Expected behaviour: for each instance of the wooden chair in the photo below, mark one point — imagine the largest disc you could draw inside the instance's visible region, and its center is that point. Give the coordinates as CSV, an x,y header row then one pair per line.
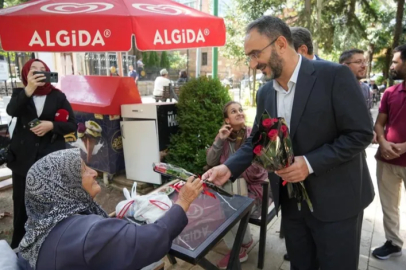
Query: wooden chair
x,y
263,222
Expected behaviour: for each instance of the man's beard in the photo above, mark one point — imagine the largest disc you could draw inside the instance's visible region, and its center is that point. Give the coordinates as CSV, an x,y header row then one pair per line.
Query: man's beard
x,y
361,77
275,64
398,74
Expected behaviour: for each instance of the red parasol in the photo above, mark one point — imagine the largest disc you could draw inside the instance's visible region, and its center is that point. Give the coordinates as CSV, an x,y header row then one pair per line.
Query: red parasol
x,y
107,25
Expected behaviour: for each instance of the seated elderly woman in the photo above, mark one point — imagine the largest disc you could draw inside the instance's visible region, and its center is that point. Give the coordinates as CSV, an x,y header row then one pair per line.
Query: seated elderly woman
x,y
66,229
231,136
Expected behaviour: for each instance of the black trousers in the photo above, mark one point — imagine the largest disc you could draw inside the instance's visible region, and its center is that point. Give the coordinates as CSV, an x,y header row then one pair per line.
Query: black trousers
x,y
313,244
20,214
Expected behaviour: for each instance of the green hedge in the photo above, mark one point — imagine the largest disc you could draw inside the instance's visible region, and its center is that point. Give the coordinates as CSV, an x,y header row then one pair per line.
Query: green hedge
x,y
199,117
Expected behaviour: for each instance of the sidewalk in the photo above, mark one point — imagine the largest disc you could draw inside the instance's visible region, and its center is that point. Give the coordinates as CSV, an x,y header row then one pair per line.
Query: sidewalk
x,y
372,236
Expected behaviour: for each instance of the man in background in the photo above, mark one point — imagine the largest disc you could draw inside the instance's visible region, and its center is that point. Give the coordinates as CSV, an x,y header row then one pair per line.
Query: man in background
x,y
390,129
160,83
355,60
302,40
132,73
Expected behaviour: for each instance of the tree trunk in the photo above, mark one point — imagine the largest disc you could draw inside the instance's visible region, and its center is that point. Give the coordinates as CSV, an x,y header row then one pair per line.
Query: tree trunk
x,y
398,25
254,75
1,4
388,58
315,40
308,11
396,35
370,52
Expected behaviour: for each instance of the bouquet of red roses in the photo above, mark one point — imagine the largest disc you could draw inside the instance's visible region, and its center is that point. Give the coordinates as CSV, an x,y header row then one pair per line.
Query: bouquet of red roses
x,y
273,151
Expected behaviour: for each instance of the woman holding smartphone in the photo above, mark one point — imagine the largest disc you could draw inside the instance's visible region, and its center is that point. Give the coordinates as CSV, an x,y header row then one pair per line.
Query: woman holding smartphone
x,y
36,134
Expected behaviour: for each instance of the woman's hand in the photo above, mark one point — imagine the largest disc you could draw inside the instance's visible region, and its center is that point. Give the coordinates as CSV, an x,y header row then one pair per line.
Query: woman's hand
x,y
33,81
189,192
225,131
43,128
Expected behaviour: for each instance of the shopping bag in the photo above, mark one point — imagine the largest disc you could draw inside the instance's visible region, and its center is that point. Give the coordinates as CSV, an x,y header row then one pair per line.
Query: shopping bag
x,y
143,208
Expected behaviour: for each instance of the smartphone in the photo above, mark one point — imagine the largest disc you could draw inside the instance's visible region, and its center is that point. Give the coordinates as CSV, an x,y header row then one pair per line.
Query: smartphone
x,y
50,77
34,123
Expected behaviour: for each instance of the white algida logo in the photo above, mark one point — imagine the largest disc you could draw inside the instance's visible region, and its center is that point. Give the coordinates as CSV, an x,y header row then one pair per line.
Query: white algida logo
x,y
162,9
179,36
64,38
74,8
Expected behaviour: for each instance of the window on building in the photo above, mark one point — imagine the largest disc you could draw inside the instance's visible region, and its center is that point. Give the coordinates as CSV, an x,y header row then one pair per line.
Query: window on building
x,y
204,59
189,3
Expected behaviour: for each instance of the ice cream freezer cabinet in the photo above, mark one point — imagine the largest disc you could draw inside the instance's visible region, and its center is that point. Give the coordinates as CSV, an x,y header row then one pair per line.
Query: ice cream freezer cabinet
x,y
146,131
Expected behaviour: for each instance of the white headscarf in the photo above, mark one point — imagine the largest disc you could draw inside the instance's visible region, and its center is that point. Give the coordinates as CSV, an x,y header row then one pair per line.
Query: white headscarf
x,y
53,192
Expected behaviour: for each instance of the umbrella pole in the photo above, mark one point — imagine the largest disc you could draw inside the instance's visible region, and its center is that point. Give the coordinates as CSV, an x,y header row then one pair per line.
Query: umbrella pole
x,y
120,64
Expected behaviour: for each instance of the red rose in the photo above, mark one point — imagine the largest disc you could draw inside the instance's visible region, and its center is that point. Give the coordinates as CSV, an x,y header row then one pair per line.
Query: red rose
x,y
273,134
284,129
257,150
267,123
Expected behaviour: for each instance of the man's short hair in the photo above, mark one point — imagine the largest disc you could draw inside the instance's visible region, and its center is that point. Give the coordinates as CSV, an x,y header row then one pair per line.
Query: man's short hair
x,y
130,66
346,55
272,27
163,72
302,36
402,50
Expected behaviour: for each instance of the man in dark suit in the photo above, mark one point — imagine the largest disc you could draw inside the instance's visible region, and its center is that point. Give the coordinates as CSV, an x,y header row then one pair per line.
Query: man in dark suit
x,y
330,129
302,40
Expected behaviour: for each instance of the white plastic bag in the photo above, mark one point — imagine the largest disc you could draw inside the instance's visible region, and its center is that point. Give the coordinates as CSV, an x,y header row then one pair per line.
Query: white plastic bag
x,y
8,259
146,208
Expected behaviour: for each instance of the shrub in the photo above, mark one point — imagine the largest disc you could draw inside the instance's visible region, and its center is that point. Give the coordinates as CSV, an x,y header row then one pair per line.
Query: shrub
x,y
164,60
199,117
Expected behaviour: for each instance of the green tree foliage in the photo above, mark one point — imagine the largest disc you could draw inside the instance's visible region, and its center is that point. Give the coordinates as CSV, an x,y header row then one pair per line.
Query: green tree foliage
x,y
9,3
177,60
153,59
145,58
164,63
199,117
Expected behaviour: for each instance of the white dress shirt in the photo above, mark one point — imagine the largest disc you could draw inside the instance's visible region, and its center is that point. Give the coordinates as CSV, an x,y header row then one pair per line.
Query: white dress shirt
x,y
285,99
39,102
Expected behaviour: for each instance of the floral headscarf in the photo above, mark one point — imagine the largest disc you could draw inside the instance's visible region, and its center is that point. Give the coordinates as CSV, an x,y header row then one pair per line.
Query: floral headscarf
x,y
53,192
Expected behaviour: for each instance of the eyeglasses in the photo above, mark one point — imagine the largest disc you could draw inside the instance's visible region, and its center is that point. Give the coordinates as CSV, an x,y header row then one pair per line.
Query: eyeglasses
x,y
255,55
359,62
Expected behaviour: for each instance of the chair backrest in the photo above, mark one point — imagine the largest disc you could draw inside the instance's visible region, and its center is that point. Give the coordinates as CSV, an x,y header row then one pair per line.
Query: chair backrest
x,y
166,92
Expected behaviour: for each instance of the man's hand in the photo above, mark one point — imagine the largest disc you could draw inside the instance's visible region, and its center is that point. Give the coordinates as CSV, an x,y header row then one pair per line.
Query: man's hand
x,y
43,128
375,139
387,150
219,175
399,148
296,172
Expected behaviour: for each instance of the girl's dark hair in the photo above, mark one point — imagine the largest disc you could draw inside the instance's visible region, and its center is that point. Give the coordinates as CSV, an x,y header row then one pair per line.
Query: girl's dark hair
x,y
183,74
225,114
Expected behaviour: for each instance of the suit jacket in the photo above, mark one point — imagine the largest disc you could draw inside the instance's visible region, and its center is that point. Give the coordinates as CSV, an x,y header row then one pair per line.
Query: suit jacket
x,y
317,57
26,147
330,125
